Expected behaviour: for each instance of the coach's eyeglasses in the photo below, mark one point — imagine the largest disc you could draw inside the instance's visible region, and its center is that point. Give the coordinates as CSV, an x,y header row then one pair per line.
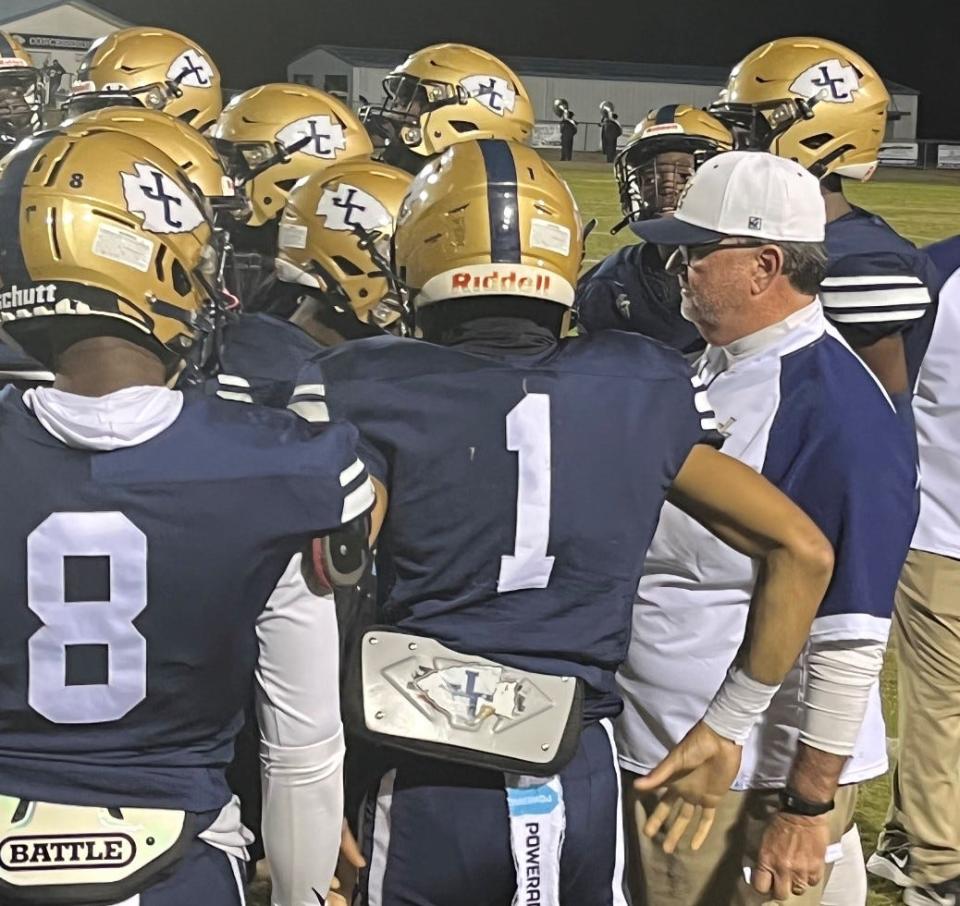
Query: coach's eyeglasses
x,y
685,255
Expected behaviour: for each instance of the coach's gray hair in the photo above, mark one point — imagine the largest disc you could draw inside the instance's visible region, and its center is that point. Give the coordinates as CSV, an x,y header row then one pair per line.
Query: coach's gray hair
x,y
804,265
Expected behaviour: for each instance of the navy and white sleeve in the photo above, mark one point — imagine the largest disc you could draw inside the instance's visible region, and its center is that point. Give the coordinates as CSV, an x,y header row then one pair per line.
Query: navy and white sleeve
x,y
861,500
316,399
945,256
871,296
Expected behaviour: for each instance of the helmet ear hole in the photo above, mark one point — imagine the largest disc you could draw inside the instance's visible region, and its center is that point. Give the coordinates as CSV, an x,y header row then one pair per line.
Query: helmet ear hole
x,y
181,282
816,141
347,266
285,184
158,262
463,126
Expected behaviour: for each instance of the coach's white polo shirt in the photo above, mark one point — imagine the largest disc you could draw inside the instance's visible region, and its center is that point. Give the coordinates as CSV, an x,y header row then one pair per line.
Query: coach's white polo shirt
x,y
798,406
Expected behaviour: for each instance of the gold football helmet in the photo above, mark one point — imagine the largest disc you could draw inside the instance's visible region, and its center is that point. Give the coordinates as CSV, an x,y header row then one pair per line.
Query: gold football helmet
x,y
21,94
488,218
275,135
649,186
335,235
193,153
149,67
102,234
810,100
444,94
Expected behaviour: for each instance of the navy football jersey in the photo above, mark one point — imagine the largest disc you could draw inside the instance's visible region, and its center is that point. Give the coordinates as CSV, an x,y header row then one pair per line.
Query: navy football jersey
x,y
15,367
260,359
524,489
130,585
945,256
878,284
630,290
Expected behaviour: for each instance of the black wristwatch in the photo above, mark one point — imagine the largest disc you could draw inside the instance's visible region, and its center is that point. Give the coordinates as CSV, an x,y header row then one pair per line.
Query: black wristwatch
x,y
792,804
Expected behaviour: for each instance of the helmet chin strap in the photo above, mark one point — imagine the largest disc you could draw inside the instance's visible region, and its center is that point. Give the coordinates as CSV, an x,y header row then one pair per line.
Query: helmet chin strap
x,y
397,289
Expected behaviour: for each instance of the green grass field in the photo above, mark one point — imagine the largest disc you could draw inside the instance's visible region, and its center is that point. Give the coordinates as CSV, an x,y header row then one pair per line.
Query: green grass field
x,y
922,205
925,207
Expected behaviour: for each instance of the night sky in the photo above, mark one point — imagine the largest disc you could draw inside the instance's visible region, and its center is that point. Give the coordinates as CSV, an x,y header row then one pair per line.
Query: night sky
x,y
907,41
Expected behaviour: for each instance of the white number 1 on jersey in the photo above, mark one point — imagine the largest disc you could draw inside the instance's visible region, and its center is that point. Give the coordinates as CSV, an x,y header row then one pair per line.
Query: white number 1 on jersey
x,y
528,435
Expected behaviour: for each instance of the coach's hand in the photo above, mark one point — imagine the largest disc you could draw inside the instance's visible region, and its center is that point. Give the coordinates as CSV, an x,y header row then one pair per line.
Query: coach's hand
x,y
697,774
791,856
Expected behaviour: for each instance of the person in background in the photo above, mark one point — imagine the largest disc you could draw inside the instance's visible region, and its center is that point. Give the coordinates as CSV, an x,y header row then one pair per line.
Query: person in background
x,y
568,129
610,132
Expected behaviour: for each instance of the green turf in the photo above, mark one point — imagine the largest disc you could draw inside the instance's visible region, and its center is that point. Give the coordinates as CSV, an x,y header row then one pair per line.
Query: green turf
x,y
924,206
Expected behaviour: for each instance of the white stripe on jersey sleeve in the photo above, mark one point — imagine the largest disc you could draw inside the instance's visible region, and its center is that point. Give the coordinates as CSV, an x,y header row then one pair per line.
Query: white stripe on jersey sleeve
x,y
232,380
357,502
871,280
875,317
350,473
886,298
307,402
235,395
310,410
310,390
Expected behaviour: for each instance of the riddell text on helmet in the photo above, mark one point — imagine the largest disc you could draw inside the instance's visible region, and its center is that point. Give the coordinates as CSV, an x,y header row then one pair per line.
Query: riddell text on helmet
x,y
497,282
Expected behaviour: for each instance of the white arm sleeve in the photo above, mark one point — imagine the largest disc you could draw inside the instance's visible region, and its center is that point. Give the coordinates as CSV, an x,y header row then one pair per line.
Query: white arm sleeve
x,y
839,678
301,750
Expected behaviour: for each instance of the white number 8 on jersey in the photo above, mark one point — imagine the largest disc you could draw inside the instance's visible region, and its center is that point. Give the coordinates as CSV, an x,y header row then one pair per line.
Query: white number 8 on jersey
x,y
65,623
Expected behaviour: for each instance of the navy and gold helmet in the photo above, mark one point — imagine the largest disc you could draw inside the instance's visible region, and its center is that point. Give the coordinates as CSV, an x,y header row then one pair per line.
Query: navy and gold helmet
x,y
102,232
445,94
488,218
149,67
810,100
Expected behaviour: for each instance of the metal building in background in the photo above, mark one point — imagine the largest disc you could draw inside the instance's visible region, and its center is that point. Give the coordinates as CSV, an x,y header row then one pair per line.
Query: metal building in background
x,y
60,30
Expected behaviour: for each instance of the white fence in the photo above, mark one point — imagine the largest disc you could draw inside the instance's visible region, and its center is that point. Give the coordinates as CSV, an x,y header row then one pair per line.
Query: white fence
x,y
926,154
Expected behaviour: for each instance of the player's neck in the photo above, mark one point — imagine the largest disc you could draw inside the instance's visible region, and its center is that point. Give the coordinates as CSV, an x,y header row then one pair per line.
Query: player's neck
x,y
101,365
306,317
834,202
759,315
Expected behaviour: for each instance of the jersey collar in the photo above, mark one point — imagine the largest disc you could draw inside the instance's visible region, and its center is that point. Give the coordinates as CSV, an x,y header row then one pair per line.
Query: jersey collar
x,y
798,329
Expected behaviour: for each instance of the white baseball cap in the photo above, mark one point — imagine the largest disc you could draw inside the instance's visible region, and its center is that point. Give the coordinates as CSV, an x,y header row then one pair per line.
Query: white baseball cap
x,y
743,193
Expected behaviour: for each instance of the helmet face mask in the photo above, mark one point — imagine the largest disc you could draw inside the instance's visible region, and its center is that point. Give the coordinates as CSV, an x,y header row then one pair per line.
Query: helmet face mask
x,y
21,93
85,98
671,143
408,102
